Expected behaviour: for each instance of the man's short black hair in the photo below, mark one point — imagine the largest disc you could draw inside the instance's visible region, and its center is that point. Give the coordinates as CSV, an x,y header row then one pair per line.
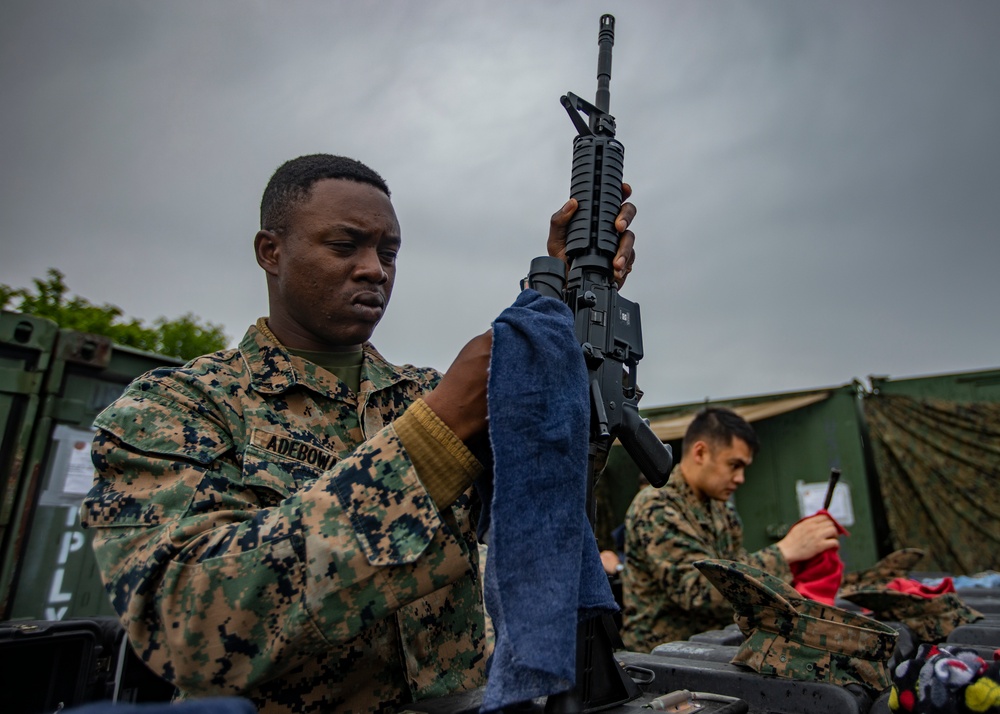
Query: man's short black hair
x,y
718,426
294,179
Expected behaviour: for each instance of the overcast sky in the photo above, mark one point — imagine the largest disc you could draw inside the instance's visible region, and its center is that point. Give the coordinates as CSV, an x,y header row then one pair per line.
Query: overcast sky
x,y
818,184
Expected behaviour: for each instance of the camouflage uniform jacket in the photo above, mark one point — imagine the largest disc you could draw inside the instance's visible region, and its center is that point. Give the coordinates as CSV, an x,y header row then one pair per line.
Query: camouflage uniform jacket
x,y
666,599
262,532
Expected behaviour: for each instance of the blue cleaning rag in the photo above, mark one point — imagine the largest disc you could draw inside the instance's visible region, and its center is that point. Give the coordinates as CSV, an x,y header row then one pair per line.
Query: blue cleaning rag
x,y
543,569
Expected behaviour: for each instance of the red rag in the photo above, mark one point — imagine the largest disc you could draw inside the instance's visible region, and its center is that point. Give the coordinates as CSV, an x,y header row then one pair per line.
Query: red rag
x,y
819,577
915,587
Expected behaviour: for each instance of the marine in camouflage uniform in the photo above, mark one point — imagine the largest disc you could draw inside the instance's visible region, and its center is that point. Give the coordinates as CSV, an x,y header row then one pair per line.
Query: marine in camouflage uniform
x,y
667,530
273,523
690,519
247,504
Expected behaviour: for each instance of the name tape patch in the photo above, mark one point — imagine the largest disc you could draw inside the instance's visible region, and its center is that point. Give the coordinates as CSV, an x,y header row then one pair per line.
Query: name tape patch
x,y
287,448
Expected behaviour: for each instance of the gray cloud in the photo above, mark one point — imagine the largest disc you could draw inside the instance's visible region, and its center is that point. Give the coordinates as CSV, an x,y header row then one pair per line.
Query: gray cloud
x,y
816,183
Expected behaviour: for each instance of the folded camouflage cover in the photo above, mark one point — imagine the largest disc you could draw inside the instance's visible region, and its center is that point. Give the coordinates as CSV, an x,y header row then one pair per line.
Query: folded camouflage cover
x,y
796,638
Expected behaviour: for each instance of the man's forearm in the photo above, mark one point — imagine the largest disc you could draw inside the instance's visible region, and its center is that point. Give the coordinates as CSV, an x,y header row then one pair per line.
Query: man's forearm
x,y
444,464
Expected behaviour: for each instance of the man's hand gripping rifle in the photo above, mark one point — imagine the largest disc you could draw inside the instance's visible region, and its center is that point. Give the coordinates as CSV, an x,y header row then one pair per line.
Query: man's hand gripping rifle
x,y
609,331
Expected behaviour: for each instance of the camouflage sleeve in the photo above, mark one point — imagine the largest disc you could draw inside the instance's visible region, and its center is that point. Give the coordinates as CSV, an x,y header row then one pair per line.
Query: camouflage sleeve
x,y
224,575
445,465
671,545
771,561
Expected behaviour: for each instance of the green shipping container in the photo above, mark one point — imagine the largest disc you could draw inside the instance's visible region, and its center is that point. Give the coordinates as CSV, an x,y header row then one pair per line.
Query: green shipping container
x,y
51,572
26,345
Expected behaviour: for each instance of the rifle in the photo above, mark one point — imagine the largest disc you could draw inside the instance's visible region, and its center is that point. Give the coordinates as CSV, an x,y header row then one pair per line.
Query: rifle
x,y
610,334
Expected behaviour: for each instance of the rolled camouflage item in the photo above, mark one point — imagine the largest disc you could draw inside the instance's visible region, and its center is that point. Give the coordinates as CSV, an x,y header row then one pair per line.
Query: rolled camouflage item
x,y
795,638
931,619
897,564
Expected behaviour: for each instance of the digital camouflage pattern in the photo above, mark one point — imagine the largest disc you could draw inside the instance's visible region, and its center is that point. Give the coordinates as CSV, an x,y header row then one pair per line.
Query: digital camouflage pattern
x,y
796,638
931,619
897,564
667,530
262,532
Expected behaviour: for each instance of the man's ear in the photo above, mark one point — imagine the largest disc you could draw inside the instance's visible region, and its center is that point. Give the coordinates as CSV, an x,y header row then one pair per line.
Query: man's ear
x,y
699,452
267,247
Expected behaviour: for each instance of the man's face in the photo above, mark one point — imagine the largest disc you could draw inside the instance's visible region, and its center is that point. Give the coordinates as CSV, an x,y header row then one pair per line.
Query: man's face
x,y
335,266
720,470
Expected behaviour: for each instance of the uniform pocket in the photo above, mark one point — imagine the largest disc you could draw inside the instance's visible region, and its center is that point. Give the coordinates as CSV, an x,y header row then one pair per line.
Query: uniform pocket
x,y
276,464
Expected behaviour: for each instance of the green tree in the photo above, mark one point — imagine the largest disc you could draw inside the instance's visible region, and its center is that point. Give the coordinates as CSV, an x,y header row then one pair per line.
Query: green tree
x,y
184,337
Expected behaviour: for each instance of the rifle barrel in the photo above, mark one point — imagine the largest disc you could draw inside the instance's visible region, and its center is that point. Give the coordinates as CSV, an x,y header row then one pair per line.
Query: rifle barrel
x,y
605,41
